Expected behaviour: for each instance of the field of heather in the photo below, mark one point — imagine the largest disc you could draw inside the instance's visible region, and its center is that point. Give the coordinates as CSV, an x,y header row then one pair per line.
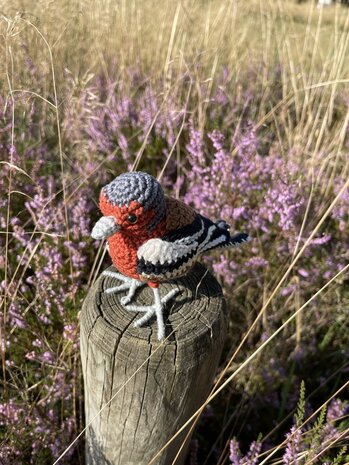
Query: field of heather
x,y
241,109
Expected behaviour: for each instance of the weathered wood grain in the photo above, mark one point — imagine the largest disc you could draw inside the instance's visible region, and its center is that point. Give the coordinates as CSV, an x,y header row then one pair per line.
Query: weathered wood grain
x,y
155,386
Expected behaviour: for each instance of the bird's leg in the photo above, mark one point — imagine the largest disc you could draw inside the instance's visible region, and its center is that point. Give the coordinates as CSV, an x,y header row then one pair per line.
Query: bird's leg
x,y
129,284
158,312
155,309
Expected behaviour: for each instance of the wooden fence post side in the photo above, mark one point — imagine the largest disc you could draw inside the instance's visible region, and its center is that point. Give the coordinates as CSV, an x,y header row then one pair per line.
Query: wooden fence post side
x,y
156,386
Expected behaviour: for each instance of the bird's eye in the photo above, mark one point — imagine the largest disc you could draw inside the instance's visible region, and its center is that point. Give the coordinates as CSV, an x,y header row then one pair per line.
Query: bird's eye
x,y
132,218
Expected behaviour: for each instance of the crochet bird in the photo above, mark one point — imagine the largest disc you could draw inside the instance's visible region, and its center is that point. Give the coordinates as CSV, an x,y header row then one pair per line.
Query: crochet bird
x,y
153,238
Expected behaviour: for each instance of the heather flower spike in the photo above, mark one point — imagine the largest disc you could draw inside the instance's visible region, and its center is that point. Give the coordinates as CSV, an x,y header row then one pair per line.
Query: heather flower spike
x,y
153,238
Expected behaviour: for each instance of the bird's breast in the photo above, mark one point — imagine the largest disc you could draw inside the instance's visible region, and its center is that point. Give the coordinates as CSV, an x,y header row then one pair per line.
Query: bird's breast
x,y
123,249
123,252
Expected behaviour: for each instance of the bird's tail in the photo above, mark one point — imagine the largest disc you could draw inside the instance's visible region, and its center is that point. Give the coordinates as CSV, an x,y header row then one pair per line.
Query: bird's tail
x,y
238,239
222,240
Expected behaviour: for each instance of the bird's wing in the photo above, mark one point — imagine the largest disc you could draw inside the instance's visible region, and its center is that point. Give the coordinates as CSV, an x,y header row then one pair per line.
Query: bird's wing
x,y
173,254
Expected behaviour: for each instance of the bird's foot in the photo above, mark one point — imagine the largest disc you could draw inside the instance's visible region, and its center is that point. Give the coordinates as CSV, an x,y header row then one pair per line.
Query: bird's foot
x,y
155,309
129,284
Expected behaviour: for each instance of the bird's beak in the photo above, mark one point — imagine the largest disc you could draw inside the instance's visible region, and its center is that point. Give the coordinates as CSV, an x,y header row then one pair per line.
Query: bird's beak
x,y
105,227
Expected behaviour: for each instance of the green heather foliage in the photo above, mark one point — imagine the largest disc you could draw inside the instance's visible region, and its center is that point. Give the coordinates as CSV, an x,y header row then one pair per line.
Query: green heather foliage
x,y
242,109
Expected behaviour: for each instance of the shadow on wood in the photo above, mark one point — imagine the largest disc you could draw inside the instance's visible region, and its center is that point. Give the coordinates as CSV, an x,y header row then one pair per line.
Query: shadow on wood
x,y
154,386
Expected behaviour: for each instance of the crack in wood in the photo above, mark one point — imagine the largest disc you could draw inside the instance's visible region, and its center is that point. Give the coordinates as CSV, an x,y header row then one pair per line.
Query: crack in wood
x,y
162,383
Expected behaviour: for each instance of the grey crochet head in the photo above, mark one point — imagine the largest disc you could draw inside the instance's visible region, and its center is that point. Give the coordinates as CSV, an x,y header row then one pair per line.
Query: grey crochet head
x,y
140,187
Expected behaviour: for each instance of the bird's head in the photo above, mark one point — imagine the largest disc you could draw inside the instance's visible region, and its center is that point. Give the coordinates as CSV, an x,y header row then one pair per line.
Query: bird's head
x,y
132,203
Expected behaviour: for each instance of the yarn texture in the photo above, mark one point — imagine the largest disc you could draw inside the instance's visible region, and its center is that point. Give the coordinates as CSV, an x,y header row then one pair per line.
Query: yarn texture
x,y
153,238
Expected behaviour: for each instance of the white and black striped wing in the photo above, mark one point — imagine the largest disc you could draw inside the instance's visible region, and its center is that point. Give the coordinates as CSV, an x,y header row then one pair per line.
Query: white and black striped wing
x,y
172,255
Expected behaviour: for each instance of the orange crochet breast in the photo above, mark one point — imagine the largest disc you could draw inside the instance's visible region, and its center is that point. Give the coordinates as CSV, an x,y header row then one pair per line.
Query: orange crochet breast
x,y
123,248
123,252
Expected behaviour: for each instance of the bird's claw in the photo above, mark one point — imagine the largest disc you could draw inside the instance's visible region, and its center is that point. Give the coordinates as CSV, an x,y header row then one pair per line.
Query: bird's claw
x,y
122,287
129,284
132,285
155,309
125,300
119,276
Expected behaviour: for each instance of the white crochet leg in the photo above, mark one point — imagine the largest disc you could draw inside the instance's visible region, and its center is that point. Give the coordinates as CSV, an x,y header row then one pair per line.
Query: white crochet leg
x,y
128,283
155,309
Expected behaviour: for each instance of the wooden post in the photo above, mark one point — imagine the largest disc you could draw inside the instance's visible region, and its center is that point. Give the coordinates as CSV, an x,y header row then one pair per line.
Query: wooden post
x,y
155,386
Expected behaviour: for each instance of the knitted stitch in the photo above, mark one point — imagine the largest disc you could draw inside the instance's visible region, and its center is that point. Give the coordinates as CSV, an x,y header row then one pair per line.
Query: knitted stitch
x,y
139,187
181,214
164,238
153,238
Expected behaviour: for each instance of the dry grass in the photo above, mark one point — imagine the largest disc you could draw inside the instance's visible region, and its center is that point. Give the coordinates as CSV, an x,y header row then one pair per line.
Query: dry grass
x,y
167,35
167,39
